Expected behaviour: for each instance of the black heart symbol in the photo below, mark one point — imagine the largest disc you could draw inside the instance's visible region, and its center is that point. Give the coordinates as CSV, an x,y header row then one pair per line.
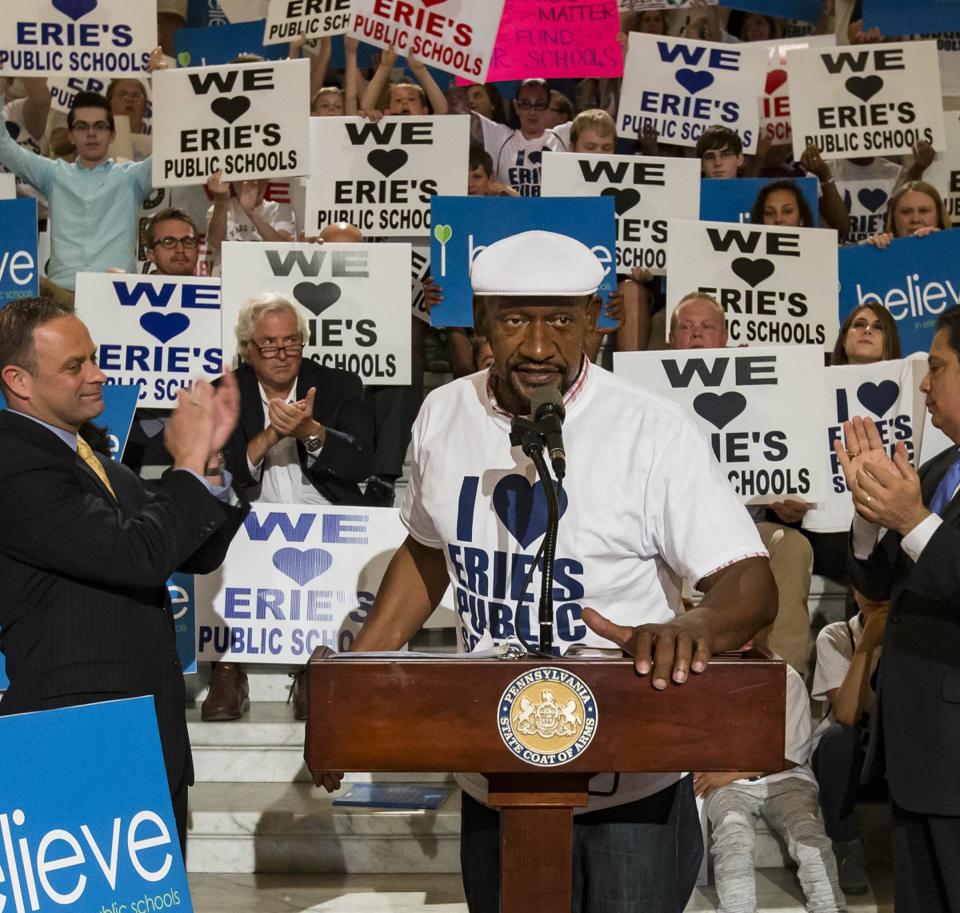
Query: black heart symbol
x,y
386,161
864,87
623,200
753,272
872,199
720,409
230,109
317,296
878,398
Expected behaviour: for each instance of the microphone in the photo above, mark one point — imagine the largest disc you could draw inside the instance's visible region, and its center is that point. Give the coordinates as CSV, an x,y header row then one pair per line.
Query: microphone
x,y
546,407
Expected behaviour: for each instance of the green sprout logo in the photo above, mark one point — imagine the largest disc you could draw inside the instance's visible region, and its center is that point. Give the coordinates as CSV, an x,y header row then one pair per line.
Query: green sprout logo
x,y
443,233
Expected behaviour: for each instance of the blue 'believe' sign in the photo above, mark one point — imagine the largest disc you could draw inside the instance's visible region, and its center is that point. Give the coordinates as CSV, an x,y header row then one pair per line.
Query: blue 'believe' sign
x,y
894,17
464,226
85,816
19,275
915,279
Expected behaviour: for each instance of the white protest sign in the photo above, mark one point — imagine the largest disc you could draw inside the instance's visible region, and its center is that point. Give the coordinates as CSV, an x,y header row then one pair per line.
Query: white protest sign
x,y
457,38
647,192
775,104
381,177
763,277
286,19
889,393
250,120
761,410
679,87
355,298
419,267
56,37
865,100
295,579
944,173
161,332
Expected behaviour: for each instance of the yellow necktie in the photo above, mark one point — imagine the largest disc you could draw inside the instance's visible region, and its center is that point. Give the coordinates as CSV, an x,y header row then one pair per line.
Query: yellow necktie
x,y
87,455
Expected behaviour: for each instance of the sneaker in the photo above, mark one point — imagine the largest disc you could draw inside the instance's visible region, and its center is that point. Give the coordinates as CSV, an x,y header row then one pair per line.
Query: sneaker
x,y
229,694
379,492
298,693
851,868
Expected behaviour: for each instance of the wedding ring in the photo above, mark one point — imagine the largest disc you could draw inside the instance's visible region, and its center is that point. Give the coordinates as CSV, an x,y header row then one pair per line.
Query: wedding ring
x,y
853,453
866,498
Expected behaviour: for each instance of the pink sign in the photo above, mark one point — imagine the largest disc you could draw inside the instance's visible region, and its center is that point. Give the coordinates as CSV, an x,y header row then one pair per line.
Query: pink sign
x,y
557,39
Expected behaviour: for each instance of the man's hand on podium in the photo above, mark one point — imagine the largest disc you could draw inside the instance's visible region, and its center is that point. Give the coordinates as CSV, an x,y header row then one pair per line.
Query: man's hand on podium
x,y
328,780
670,650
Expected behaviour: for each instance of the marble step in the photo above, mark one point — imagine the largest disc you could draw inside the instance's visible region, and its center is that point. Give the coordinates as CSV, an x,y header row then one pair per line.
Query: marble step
x,y
264,746
294,827
777,892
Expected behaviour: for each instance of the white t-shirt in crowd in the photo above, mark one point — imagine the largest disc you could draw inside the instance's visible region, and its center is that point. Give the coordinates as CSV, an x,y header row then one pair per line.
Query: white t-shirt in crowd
x,y
644,504
282,480
866,190
516,159
835,645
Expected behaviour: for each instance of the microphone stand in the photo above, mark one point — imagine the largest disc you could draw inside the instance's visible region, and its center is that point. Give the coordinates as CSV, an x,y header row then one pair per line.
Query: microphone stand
x,y
530,436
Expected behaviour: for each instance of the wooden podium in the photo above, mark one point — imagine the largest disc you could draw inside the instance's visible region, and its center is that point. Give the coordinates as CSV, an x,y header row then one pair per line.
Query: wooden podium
x,y
500,717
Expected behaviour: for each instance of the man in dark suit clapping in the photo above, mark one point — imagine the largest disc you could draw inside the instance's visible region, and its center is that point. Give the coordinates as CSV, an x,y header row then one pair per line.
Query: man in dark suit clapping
x,y
86,546
906,548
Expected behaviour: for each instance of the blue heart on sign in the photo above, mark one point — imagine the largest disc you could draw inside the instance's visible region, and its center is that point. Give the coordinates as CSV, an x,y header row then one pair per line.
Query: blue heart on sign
x,y
694,80
302,565
164,326
878,398
522,507
75,9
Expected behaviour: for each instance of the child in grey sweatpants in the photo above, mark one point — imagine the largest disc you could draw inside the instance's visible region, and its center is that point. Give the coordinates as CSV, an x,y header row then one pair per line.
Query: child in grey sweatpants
x,y
789,802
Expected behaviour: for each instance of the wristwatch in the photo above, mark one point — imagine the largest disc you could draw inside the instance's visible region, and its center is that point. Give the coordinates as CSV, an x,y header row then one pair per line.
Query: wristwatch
x,y
313,443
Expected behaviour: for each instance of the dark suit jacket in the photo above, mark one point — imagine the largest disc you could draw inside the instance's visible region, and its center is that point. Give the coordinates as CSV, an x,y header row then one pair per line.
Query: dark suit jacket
x,y
347,454
917,727
84,609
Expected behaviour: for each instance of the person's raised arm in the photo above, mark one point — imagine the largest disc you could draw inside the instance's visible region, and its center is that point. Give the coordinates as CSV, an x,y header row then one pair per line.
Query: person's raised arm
x,y
217,226
351,76
36,170
247,198
371,95
738,601
832,207
438,101
923,156
320,64
36,107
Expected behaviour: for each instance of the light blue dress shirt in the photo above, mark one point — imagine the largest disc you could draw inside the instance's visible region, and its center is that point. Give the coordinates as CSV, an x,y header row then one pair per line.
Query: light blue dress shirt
x,y
93,211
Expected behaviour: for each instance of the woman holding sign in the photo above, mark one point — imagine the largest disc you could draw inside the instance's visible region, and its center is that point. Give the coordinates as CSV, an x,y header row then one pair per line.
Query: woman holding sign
x,y
915,210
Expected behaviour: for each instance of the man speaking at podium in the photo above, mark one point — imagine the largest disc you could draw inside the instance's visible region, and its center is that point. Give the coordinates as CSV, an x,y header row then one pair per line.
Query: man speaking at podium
x,y
643,504
86,547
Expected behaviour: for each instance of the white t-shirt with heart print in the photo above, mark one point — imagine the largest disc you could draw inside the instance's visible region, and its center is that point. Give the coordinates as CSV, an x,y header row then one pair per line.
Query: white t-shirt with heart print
x,y
644,504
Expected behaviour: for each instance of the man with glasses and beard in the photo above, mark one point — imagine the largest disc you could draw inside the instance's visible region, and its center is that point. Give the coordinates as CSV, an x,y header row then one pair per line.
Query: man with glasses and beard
x,y
305,436
172,244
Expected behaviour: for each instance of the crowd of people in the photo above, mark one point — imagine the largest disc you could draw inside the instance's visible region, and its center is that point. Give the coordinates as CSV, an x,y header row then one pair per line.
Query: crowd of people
x,y
306,433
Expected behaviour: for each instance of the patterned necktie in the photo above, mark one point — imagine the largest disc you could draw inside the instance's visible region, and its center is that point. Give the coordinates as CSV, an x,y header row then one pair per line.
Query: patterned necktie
x,y
86,454
945,490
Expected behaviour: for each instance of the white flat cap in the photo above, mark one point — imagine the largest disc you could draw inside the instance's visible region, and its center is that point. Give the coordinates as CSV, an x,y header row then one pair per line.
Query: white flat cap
x,y
536,263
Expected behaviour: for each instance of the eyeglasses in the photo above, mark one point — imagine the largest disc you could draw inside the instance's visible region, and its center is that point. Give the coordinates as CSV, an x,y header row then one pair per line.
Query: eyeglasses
x,y
525,105
170,242
289,348
101,126
124,95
